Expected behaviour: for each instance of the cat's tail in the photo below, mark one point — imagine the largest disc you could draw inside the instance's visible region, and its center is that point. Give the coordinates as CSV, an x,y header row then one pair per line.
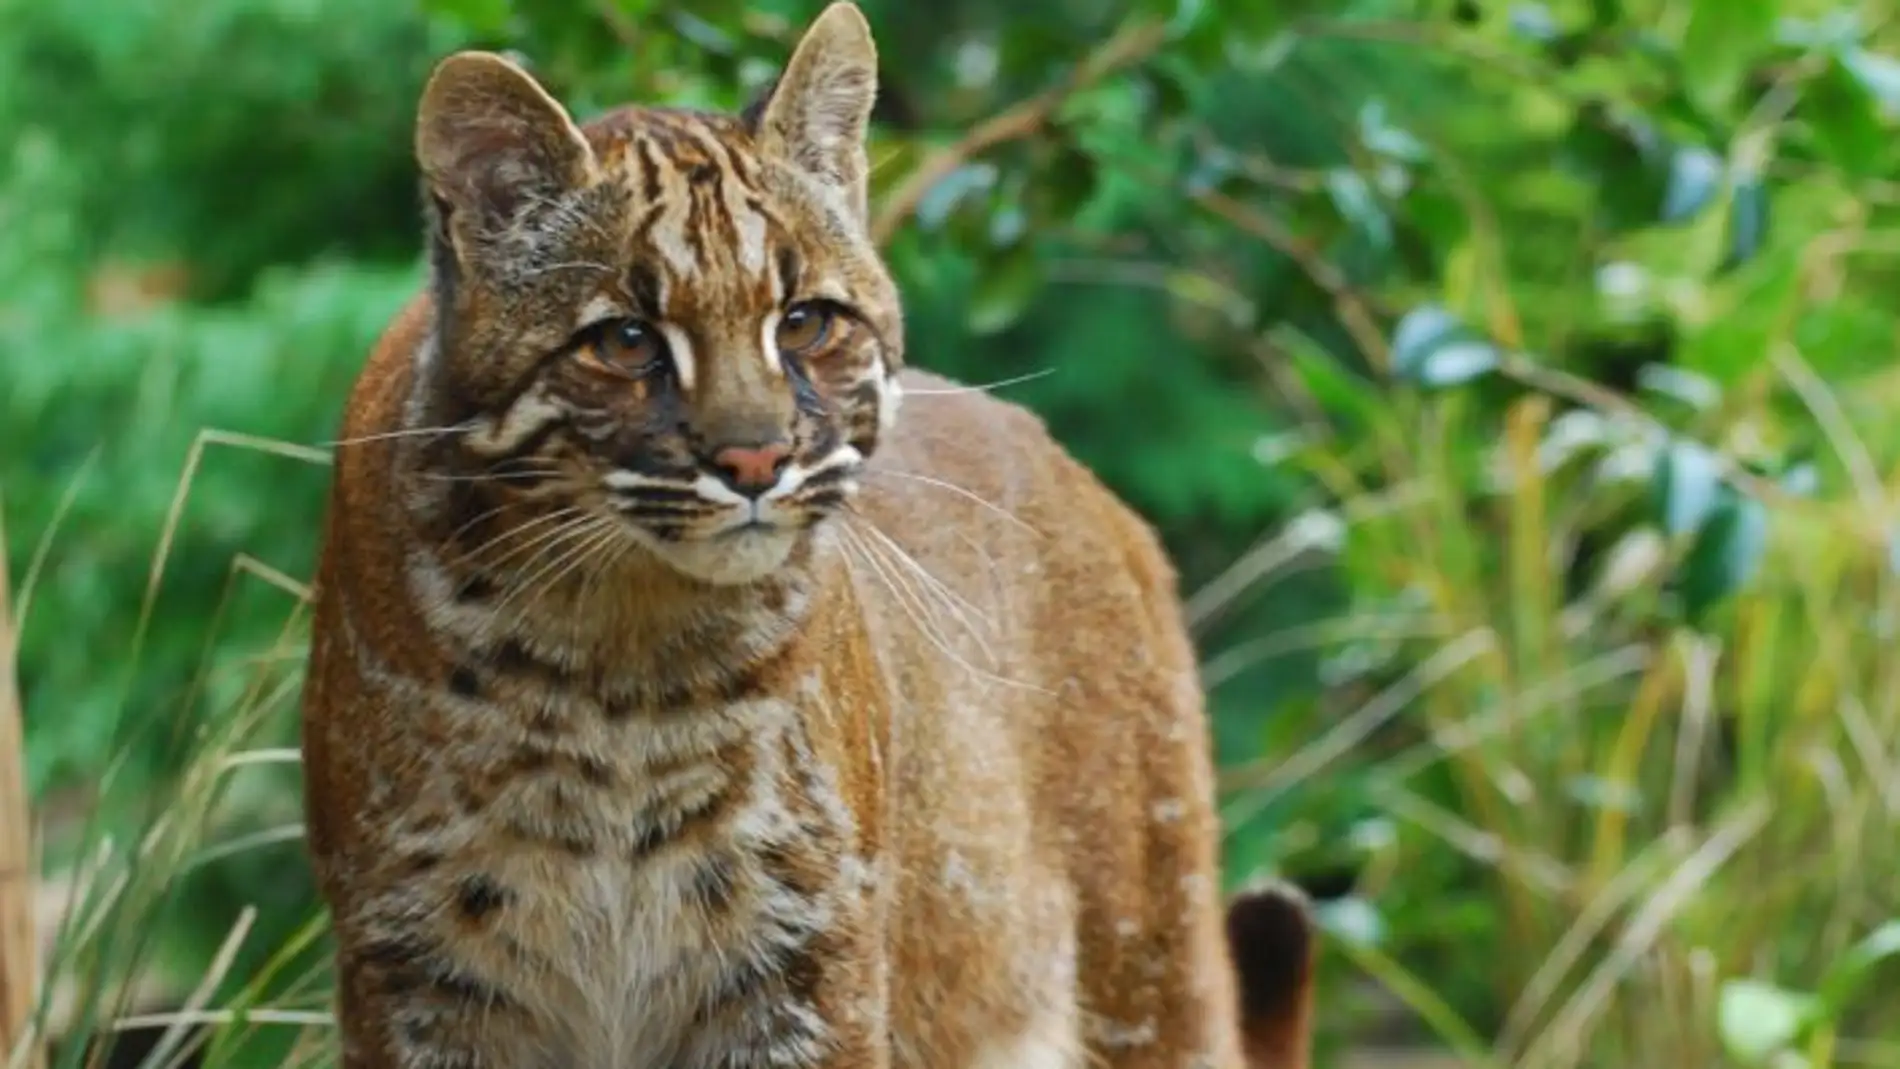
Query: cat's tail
x,y
1270,934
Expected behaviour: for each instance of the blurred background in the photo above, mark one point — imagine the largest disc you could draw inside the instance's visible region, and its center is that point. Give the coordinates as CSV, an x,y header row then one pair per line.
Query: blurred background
x,y
1513,384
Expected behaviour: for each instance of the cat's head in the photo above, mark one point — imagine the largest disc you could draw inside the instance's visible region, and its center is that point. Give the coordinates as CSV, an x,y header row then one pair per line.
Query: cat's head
x,y
671,317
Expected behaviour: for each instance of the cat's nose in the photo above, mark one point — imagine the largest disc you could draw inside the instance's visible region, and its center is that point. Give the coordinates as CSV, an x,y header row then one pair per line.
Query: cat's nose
x,y
752,469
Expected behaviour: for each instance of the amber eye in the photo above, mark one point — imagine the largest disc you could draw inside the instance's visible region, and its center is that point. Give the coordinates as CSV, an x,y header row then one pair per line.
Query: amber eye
x,y
804,327
626,347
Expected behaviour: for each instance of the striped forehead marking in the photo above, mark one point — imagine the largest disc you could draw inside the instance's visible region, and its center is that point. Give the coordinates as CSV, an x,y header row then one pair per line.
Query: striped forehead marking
x,y
706,218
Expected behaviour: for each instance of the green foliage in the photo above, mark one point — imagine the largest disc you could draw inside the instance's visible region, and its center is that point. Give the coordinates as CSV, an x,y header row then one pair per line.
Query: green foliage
x,y
97,423
1550,345
236,134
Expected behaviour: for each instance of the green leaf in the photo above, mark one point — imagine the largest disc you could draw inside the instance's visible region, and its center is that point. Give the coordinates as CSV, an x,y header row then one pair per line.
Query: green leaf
x,y
949,192
1847,129
1747,221
1355,201
1753,309
1722,41
1534,22
1187,15
1687,486
1353,919
1343,396
1695,390
1004,290
1432,348
1604,13
1726,554
1758,1020
1695,179
1851,970
1879,75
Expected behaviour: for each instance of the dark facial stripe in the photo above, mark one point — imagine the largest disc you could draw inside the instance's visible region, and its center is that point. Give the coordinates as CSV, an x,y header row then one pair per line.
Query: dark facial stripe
x,y
649,169
643,282
789,267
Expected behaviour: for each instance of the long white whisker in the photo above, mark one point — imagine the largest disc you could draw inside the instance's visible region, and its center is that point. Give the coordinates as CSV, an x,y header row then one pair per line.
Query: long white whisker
x,y
577,537
982,388
562,520
929,480
495,476
957,603
574,265
604,538
412,432
905,599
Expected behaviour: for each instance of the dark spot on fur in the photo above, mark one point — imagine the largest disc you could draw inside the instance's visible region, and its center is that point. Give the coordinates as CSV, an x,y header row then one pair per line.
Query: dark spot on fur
x,y
409,964
465,683
477,896
512,657
543,721
803,974
716,881
595,771
651,838
467,798
776,597
702,173
474,587
394,952
424,861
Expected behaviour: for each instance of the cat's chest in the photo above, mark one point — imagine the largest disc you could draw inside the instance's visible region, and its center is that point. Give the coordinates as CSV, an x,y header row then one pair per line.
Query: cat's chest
x,y
627,883
619,961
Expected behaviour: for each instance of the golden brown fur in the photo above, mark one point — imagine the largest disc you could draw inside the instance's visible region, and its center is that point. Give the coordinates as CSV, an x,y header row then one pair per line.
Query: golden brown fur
x,y
908,770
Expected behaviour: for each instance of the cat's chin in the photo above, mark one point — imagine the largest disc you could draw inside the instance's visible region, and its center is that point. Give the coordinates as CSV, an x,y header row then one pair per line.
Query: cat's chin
x,y
732,558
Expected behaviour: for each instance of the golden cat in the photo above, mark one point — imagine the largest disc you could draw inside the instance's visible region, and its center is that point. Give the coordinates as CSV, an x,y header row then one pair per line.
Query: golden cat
x,y
678,700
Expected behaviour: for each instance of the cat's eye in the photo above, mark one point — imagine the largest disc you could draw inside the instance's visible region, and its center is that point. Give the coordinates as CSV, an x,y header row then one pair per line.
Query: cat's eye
x,y
625,347
804,327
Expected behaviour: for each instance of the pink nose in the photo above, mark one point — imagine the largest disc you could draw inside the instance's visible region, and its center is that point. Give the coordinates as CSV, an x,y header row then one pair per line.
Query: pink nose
x,y
752,468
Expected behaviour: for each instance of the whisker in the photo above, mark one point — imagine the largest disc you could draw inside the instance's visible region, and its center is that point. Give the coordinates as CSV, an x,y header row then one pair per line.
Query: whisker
x,y
907,601
905,598
574,265
411,432
470,523
562,520
493,476
930,480
577,537
981,388
603,540
923,574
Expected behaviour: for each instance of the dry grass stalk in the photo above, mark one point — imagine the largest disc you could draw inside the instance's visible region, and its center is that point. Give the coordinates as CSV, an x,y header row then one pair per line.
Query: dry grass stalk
x,y
17,934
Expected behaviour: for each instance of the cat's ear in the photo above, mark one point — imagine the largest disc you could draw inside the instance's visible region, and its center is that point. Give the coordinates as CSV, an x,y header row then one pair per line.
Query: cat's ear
x,y
489,139
817,115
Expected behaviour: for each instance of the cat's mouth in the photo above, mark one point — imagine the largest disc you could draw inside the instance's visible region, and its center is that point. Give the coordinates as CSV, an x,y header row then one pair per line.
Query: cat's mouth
x,y
750,526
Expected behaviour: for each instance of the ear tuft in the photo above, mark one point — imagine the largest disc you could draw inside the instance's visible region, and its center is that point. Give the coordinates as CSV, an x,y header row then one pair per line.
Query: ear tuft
x,y
819,111
489,138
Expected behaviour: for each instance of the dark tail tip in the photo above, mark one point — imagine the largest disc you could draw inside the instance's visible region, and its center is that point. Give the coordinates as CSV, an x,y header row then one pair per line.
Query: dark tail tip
x,y
1270,933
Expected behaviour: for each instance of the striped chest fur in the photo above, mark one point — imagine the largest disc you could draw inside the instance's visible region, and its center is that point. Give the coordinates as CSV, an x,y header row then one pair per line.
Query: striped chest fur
x,y
647,875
